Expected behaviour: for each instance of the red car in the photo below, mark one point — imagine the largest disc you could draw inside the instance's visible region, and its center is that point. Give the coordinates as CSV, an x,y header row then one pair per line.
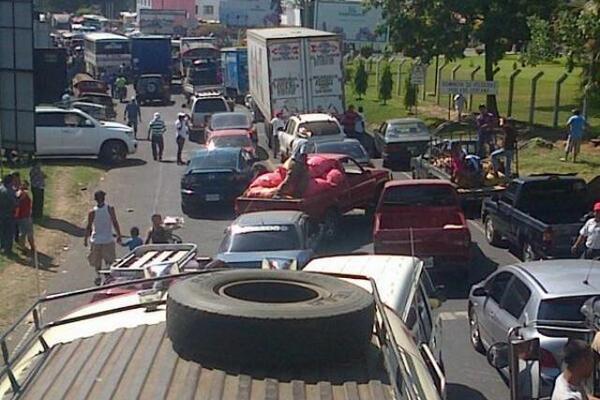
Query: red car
x,y
229,121
231,138
422,218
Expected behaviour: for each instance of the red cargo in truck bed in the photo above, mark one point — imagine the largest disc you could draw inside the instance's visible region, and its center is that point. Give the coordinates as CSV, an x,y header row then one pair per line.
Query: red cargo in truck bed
x,y
423,217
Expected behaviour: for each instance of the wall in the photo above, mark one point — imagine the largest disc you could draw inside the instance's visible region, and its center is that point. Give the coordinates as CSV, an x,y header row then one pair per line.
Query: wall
x,y
200,7
187,5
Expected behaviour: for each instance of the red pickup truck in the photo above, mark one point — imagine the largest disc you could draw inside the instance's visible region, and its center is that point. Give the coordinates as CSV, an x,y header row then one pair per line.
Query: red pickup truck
x,y
424,217
360,189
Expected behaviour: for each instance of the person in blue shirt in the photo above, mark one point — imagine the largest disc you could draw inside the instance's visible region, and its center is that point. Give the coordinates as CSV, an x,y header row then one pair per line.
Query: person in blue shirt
x,y
135,239
576,125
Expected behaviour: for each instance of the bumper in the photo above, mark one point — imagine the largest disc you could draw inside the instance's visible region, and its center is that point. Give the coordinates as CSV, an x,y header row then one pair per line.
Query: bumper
x,y
441,255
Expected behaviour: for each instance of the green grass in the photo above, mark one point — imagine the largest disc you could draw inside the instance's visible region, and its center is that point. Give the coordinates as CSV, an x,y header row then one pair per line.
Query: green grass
x,y
540,160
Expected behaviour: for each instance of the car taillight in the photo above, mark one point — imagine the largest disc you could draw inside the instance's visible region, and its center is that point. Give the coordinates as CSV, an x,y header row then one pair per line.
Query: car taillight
x,y
547,359
548,235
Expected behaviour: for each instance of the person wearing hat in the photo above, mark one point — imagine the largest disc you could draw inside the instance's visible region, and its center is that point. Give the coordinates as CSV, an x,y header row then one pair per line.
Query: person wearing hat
x,y
156,130
590,236
133,115
182,129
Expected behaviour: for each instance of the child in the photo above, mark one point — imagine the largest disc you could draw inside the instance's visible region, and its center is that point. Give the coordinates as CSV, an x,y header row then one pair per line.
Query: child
x,y
135,240
158,233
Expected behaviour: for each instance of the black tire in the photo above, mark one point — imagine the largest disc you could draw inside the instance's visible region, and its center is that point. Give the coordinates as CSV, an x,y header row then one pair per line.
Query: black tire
x,y
113,152
491,236
474,333
331,224
271,318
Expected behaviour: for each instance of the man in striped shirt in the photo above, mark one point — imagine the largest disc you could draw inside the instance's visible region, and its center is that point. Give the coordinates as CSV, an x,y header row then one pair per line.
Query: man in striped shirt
x,y
156,130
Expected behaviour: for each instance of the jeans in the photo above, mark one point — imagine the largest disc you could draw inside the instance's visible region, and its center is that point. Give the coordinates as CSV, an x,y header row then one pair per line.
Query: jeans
x,y
7,233
508,155
37,207
180,143
158,145
484,138
134,125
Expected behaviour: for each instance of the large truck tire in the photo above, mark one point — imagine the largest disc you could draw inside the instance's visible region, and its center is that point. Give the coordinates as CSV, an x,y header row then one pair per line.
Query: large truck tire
x,y
269,319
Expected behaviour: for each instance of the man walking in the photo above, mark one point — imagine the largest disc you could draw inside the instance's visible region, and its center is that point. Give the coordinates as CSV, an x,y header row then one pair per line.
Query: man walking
x,y
182,129
133,115
102,219
38,183
576,125
8,203
121,85
156,130
23,217
485,125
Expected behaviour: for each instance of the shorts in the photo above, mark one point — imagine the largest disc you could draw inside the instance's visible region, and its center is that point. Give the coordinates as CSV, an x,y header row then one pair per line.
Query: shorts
x,y
573,144
101,252
25,226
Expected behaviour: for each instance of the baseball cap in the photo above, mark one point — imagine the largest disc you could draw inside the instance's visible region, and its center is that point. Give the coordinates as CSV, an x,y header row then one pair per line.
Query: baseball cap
x,y
597,206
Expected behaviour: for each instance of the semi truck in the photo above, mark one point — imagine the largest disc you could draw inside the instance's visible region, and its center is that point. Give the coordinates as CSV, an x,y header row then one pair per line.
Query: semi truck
x,y
295,70
151,55
234,62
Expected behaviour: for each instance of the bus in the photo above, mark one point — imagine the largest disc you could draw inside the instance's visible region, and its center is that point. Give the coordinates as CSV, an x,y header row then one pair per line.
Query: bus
x,y
106,52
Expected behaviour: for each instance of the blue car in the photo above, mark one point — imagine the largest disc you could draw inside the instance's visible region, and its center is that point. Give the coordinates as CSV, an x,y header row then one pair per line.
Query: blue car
x,y
285,239
215,176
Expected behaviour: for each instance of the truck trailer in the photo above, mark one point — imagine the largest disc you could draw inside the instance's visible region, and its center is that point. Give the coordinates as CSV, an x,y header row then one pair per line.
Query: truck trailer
x,y
151,55
234,62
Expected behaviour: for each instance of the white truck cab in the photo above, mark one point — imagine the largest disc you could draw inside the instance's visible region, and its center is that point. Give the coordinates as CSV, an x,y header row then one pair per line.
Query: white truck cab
x,y
316,127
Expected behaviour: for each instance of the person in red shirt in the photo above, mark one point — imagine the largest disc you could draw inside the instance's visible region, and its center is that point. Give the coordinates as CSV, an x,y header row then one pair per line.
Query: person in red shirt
x,y
349,119
23,216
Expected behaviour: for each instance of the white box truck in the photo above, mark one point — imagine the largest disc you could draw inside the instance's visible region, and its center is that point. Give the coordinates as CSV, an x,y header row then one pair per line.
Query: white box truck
x,y
295,70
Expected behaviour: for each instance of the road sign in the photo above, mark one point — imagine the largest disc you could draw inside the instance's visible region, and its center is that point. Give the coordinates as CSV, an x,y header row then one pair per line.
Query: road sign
x,y
417,75
469,87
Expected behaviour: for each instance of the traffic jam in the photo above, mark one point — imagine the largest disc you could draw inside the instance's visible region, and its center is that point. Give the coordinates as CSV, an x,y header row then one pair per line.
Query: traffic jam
x,y
267,145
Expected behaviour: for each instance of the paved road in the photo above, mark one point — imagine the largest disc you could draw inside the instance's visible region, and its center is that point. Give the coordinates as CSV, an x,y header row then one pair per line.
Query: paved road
x,y
143,187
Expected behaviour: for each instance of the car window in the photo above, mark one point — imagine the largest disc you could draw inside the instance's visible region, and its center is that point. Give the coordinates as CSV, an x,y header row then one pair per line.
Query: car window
x,y
496,286
426,196
516,297
352,149
215,160
74,120
291,126
230,141
400,129
351,167
419,319
230,120
320,128
562,309
49,119
263,238
210,106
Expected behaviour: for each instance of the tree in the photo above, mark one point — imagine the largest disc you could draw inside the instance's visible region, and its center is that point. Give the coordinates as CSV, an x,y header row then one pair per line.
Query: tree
x,y
426,28
410,96
386,84
361,80
541,46
366,51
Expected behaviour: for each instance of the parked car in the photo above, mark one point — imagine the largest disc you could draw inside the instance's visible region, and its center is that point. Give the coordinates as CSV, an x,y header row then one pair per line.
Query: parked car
x,y
204,105
540,216
397,140
72,133
101,99
422,218
544,291
231,138
95,110
225,121
312,127
153,87
215,176
403,284
349,147
288,239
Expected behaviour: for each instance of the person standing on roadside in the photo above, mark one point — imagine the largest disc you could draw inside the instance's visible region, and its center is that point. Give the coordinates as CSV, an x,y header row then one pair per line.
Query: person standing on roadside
x,y
133,115
38,183
8,203
102,219
277,124
485,125
589,235
460,103
23,217
156,131
576,125
182,130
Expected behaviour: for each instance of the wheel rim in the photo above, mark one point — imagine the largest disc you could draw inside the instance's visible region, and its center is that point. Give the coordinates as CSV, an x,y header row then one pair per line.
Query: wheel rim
x,y
489,230
116,153
475,339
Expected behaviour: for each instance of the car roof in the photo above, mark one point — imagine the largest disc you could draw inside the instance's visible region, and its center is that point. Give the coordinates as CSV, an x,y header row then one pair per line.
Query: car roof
x,y
314,117
419,182
404,120
559,278
269,218
56,109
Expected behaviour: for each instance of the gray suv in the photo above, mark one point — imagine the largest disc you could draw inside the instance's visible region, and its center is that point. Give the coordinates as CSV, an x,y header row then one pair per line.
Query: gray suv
x,y
522,294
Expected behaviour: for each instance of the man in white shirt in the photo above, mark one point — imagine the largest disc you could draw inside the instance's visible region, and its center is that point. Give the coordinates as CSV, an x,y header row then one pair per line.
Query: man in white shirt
x,y
277,123
590,235
182,129
579,361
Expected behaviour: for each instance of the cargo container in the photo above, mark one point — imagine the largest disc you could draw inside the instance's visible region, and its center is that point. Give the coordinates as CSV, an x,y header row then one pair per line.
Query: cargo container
x,y
151,55
234,62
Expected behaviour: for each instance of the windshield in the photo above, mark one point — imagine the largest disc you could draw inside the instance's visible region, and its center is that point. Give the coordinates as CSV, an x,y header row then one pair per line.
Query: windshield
x,y
230,121
436,196
400,129
263,238
563,309
321,128
215,160
209,106
230,141
354,150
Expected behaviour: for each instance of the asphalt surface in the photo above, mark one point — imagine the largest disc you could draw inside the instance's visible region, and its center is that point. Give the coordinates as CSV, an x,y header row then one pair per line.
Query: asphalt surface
x,y
143,187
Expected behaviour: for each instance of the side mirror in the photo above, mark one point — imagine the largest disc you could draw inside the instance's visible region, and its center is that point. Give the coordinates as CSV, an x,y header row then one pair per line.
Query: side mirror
x,y
497,355
480,292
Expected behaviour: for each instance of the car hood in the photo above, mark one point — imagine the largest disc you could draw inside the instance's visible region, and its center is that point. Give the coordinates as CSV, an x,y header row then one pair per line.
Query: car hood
x,y
409,138
254,259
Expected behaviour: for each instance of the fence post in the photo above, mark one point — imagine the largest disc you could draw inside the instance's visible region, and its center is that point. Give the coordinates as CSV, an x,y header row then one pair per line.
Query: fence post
x,y
477,68
559,83
425,66
534,82
400,66
437,89
377,65
511,90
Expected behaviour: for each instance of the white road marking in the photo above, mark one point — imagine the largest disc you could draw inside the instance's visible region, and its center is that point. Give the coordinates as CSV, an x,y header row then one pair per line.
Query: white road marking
x,y
453,315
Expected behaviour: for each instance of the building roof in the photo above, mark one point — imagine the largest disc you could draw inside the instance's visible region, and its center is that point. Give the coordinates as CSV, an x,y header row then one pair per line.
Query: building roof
x,y
559,278
287,33
104,36
269,218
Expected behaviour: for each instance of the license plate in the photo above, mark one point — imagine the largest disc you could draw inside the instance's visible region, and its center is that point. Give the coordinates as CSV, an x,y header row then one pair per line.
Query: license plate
x,y
212,197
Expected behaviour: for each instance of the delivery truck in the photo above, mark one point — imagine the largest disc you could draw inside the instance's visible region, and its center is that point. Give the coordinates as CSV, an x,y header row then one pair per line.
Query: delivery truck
x,y
151,55
234,62
295,70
